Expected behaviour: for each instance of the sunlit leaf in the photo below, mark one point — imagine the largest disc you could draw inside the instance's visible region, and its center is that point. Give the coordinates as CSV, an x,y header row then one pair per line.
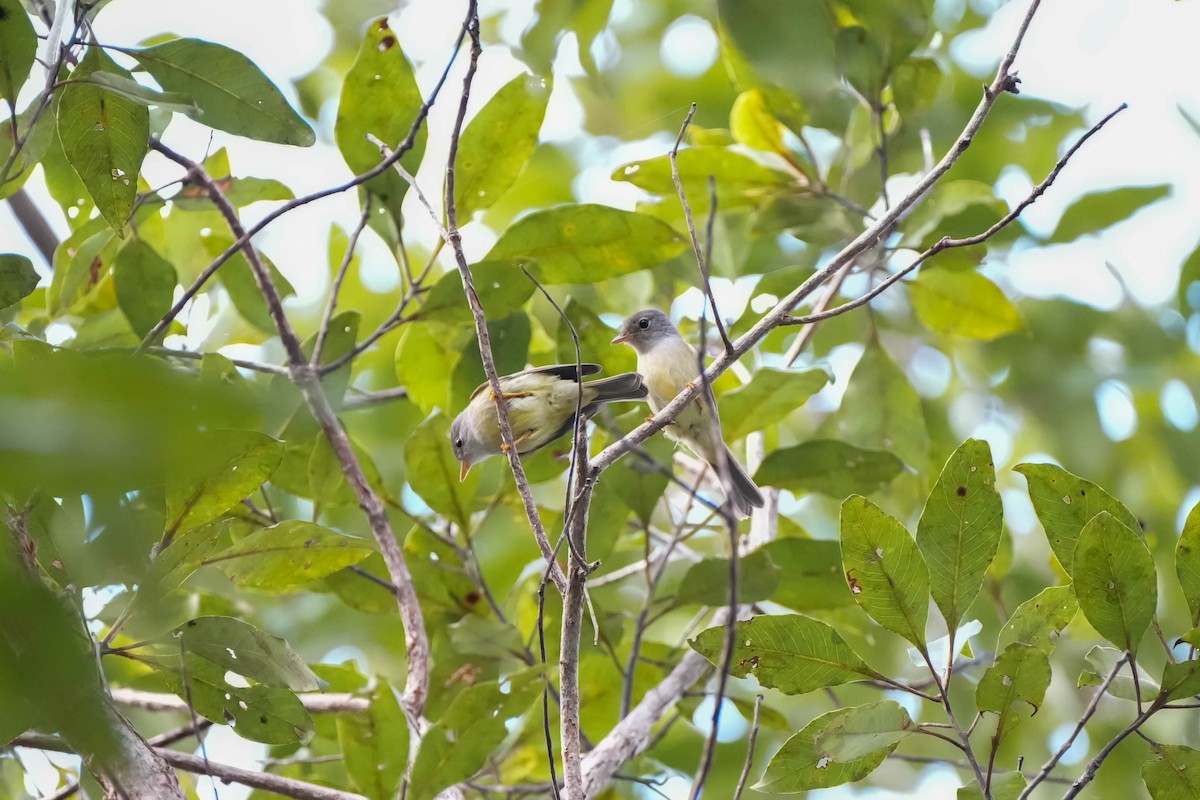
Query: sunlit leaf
x,y
1096,211
828,466
1115,580
792,653
883,561
223,468
959,303
588,243
501,286
460,742
375,744
230,91
753,124
1021,672
768,398
497,143
960,528
18,278
1180,679
839,747
740,180
1174,773
1187,563
1064,503
242,648
1037,619
288,555
105,137
1101,661
1004,786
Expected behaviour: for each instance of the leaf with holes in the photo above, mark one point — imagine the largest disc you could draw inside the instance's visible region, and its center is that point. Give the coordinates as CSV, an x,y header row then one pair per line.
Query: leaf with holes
x,y
1020,673
1174,773
496,144
460,742
792,653
588,243
960,528
242,648
375,744
888,569
105,137
1039,618
1115,580
1064,503
222,468
839,747
230,92
289,555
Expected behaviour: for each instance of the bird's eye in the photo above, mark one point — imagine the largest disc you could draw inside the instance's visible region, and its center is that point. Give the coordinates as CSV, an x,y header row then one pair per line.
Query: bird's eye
x,y
643,323
458,443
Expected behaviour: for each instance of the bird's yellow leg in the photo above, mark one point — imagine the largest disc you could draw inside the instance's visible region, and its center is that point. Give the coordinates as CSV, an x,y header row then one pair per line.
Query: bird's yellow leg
x,y
517,442
512,395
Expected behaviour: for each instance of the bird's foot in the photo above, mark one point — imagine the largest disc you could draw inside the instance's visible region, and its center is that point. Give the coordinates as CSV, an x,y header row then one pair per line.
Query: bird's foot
x,y
511,395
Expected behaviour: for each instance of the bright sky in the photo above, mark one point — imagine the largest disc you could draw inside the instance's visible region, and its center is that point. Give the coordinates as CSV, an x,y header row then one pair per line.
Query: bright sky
x,y
1091,54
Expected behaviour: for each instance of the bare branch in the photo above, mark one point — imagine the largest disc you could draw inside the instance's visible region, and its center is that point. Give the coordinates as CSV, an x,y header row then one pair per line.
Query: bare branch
x,y
741,784
336,287
314,703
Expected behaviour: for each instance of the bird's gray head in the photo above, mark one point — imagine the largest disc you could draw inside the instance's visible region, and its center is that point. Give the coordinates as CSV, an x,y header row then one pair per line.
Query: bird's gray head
x,y
643,330
468,449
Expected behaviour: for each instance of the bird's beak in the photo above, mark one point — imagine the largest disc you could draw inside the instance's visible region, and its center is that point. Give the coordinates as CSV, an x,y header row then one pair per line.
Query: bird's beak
x,y
620,339
463,469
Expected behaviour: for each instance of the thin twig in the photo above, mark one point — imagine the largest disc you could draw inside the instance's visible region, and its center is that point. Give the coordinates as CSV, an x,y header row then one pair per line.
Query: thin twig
x,y
741,784
1089,772
336,288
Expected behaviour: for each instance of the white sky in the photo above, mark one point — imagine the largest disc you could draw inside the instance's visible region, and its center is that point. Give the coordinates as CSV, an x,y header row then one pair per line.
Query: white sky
x,y
1092,54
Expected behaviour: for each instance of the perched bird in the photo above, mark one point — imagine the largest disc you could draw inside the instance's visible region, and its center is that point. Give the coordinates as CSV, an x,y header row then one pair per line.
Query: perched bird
x,y
668,364
541,407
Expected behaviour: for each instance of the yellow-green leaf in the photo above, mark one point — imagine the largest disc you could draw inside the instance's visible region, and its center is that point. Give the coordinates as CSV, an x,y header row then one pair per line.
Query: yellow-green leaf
x,y
960,303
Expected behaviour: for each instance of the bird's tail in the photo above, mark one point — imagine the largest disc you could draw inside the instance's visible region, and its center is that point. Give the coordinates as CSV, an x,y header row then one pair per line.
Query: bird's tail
x,y
743,494
626,386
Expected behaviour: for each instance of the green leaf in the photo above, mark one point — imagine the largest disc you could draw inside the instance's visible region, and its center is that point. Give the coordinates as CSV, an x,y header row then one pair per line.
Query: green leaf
x,y
132,90
882,409
288,555
221,469
1021,672
1098,210
258,713
740,179
960,529
839,747
1039,617
828,466
238,280
145,284
915,84
230,92
501,287
792,653
1187,563
1004,786
18,47
18,278
888,569
327,479
588,243
752,123
1180,680
1174,774
707,582
811,577
769,397
463,738
374,744
105,137
433,473
960,303
497,143
638,485
1064,503
1115,580
1101,661
425,359
244,649
860,60
380,97
186,552
899,27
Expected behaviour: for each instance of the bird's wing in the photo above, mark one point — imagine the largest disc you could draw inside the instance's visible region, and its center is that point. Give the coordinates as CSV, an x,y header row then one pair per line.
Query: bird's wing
x,y
564,371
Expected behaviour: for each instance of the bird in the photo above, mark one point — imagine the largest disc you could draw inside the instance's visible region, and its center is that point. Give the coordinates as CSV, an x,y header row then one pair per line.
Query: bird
x,y
668,365
542,402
